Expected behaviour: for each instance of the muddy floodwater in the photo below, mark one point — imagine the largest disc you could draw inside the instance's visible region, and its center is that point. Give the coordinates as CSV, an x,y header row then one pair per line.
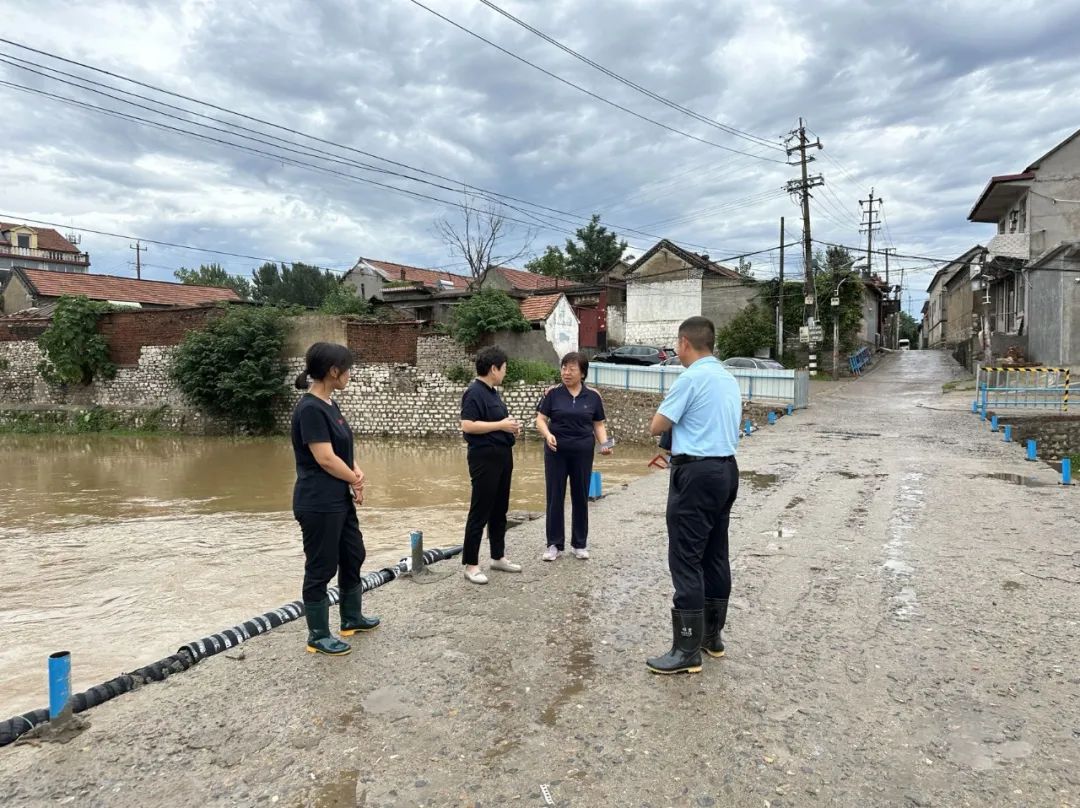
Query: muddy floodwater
x,y
121,549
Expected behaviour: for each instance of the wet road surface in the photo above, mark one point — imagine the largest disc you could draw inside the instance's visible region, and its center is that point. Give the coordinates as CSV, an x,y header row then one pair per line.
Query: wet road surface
x,y
903,632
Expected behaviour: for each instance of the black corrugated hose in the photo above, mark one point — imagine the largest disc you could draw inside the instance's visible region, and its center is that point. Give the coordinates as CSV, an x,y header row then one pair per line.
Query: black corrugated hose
x,y
195,652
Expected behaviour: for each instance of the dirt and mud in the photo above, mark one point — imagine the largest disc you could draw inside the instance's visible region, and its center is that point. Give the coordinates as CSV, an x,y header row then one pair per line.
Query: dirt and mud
x,y
903,631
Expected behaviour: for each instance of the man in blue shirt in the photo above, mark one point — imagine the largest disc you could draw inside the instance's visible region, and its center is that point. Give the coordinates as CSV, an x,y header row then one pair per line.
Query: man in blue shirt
x,y
702,410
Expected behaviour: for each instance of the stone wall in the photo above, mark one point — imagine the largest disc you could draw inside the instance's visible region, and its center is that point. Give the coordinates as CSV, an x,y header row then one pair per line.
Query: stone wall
x,y
1055,435
437,352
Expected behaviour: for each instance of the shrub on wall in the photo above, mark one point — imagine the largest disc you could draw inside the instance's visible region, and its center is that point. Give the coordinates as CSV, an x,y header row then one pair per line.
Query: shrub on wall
x,y
524,370
74,350
486,312
232,369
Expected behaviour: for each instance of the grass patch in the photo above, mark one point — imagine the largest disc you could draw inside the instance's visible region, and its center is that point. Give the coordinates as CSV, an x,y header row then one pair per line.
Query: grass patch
x,y
93,420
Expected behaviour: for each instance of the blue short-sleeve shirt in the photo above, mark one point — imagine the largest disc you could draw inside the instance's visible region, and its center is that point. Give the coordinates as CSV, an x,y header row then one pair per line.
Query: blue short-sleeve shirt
x,y
705,406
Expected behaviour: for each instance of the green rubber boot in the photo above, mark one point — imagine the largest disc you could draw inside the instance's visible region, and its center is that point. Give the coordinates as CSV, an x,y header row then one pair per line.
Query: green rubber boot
x,y
352,619
319,638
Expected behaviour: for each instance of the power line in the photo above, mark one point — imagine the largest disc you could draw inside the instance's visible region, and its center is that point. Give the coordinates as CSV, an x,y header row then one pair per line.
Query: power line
x,y
731,130
160,243
590,93
304,151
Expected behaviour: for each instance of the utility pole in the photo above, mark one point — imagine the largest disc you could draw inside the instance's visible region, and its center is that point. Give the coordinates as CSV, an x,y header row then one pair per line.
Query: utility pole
x,y
872,224
896,315
802,187
780,299
139,250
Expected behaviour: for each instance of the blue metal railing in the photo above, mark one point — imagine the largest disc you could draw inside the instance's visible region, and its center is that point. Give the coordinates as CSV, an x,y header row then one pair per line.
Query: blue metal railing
x,y
859,361
781,386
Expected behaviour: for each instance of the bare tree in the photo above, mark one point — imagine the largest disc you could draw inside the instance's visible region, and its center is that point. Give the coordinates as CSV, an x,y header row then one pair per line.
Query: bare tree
x,y
479,238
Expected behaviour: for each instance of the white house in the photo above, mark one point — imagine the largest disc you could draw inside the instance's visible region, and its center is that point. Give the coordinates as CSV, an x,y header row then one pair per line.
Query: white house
x,y
555,315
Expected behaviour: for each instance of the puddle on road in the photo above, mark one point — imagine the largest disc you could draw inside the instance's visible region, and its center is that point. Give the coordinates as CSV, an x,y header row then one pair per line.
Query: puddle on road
x,y
1015,479
757,480
578,664
337,793
1010,586
848,475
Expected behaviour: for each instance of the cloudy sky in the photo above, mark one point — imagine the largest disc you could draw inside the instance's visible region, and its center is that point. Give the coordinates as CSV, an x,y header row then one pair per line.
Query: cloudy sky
x,y
922,102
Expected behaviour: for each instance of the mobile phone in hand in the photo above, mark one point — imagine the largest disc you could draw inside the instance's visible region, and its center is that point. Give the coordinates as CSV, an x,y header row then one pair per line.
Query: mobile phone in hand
x,y
608,444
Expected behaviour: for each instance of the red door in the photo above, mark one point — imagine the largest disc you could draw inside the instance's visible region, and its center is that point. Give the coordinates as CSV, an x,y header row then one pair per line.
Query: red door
x,y
588,327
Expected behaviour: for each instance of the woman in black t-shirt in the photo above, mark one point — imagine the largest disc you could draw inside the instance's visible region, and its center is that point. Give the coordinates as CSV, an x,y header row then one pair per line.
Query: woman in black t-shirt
x,y
329,486
570,418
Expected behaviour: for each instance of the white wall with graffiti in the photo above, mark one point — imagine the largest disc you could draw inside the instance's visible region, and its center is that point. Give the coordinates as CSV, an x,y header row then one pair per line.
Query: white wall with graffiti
x,y
561,328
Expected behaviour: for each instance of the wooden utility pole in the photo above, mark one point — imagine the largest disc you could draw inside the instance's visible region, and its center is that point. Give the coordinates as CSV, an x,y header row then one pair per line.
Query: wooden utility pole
x,y
139,250
780,299
802,187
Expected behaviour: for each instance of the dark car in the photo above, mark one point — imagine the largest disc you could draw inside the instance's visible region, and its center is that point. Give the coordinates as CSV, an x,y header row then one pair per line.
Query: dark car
x,y
752,363
633,355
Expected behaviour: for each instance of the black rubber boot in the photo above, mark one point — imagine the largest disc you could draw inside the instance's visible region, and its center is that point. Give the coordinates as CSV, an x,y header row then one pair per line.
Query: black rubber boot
x,y
352,619
319,638
687,626
715,618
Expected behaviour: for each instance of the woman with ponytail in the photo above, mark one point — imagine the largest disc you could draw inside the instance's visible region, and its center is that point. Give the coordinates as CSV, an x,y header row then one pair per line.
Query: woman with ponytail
x,y
329,486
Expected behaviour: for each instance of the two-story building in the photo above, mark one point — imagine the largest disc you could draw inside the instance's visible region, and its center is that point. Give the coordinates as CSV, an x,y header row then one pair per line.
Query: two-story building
x,y
1030,278
38,248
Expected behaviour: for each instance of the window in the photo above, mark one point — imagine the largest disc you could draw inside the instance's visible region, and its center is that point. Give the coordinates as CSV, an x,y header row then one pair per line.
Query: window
x,y
1022,214
23,240
1013,217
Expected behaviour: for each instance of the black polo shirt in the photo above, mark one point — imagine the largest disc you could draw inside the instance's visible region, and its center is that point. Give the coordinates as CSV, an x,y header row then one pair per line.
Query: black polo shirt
x,y
571,418
482,402
315,421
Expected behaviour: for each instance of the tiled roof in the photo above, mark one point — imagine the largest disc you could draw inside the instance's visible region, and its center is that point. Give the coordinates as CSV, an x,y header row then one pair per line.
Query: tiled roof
x,y
128,290
693,259
528,281
47,238
428,277
539,307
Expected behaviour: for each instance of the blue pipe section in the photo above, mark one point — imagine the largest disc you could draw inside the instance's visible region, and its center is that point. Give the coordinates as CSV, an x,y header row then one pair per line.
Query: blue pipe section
x,y
59,683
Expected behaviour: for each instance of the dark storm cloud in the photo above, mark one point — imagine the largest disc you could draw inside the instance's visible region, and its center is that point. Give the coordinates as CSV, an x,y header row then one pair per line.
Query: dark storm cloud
x,y
925,102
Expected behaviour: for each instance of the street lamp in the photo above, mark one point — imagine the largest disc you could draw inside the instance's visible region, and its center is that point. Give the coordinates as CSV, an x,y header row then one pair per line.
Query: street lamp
x,y
836,330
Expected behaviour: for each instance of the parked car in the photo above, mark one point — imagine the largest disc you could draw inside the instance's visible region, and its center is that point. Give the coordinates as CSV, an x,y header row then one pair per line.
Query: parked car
x,y
904,345
752,363
672,360
633,355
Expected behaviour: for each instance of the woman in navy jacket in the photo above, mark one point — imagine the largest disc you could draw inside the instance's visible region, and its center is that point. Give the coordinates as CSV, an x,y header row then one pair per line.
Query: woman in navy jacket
x,y
570,417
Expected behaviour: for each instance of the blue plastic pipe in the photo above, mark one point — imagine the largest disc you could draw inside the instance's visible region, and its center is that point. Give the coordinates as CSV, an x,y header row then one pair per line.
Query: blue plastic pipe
x,y
1008,433
596,486
1066,471
747,427
59,683
772,417
1031,450
993,423
790,409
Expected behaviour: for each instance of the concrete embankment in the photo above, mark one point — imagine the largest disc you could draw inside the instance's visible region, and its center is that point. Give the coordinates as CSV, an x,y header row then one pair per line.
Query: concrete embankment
x,y
900,635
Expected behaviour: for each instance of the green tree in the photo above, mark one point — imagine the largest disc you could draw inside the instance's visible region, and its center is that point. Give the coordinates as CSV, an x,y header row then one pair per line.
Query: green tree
x,y
232,369
909,329
585,259
552,263
298,284
215,275
343,299
751,329
74,350
486,312
831,270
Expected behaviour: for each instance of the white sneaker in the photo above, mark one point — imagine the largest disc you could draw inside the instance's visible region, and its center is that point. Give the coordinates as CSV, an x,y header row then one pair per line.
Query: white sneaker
x,y
504,565
580,553
477,577
551,553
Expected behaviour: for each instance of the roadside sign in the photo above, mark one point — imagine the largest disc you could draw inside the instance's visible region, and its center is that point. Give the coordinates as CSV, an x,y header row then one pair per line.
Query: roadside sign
x,y
815,333
804,334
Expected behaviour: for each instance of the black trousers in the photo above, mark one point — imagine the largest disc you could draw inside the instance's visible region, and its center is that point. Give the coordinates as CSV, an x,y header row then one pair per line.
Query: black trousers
x,y
490,468
700,497
333,543
560,468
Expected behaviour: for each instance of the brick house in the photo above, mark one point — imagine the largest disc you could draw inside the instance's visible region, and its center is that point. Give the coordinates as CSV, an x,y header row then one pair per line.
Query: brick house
x,y
40,289
371,278
38,248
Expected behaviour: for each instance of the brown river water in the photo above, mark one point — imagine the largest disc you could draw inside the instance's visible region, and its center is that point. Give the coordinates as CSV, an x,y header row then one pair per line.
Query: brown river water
x,y
121,549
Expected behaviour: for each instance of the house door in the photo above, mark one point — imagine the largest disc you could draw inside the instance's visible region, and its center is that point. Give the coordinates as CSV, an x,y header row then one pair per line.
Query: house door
x,y
588,327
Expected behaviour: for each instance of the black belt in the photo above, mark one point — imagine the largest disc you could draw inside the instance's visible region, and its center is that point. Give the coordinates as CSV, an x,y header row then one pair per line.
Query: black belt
x,y
678,460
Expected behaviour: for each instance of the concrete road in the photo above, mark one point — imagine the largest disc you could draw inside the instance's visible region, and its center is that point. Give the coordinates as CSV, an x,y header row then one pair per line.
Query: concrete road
x,y
903,632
